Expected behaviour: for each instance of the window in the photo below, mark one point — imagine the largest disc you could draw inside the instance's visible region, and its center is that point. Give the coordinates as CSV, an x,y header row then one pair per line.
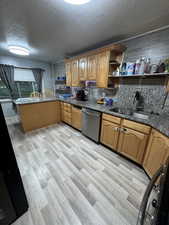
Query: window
x,y
25,82
4,93
25,88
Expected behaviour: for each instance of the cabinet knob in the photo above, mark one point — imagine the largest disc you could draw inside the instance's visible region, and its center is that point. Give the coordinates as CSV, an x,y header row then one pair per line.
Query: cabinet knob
x,y
124,130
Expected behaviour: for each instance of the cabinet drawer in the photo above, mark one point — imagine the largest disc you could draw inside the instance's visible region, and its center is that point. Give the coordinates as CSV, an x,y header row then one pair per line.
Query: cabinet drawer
x,y
136,126
111,118
76,118
67,117
66,107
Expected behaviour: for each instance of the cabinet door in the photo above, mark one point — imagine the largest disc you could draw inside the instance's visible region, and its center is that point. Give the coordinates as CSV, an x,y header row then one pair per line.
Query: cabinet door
x,y
92,67
157,152
62,111
102,69
109,134
132,144
83,69
68,74
76,118
74,70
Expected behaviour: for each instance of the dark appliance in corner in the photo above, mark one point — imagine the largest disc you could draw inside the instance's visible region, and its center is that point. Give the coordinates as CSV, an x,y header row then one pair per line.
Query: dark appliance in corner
x,y
13,202
154,208
80,95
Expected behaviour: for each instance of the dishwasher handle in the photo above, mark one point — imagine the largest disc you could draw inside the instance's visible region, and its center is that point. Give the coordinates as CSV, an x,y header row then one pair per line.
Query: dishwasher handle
x,y
91,112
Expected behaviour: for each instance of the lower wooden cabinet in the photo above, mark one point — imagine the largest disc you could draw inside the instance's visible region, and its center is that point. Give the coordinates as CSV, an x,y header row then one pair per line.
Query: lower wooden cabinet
x,y
66,113
132,144
130,140
109,134
37,115
76,118
157,152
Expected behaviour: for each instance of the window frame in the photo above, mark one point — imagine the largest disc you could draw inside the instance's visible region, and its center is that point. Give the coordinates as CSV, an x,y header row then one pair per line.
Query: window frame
x,y
33,83
4,97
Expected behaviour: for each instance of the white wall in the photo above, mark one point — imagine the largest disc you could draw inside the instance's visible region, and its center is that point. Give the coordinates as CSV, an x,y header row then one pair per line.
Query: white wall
x,y
23,62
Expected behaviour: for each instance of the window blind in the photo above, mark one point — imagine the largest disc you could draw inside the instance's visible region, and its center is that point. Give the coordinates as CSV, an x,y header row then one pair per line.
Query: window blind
x,y
23,75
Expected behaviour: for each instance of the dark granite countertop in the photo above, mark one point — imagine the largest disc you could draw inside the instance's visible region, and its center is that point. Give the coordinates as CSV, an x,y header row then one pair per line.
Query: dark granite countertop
x,y
159,122
24,101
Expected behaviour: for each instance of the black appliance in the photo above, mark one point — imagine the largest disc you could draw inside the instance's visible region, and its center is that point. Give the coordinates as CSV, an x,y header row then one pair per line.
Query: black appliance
x,y
154,208
13,202
80,95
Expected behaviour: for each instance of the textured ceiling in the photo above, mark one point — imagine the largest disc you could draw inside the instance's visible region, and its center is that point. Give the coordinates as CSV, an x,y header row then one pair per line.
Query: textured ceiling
x,y
52,29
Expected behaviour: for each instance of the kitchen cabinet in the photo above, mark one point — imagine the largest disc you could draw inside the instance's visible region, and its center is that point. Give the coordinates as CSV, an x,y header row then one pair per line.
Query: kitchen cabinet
x,y
92,67
68,74
83,69
66,113
157,152
76,118
109,134
102,69
127,137
38,115
133,140
74,72
95,65
132,144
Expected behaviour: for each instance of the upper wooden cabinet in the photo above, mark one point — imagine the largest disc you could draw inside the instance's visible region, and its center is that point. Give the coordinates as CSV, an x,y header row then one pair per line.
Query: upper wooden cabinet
x,y
68,74
83,69
157,152
102,69
132,144
92,67
98,65
74,72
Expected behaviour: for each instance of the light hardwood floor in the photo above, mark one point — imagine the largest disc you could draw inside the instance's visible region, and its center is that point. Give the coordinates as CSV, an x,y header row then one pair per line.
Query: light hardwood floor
x,y
70,180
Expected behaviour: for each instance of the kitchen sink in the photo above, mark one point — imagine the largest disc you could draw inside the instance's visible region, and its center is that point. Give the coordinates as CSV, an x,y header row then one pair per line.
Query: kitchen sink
x,y
129,111
125,111
141,115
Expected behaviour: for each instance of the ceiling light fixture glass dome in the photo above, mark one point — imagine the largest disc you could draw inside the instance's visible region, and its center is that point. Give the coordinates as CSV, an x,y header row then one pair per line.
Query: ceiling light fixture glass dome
x,y
18,50
77,2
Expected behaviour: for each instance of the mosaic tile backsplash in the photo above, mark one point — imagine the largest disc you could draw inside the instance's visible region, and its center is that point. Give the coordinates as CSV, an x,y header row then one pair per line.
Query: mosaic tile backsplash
x,y
152,90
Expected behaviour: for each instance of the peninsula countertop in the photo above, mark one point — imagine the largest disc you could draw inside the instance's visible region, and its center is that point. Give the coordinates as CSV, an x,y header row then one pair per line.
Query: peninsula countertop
x,y
158,122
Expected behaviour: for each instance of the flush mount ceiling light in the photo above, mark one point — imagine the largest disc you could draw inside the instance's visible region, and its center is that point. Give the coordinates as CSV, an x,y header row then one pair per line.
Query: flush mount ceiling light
x,y
18,50
77,2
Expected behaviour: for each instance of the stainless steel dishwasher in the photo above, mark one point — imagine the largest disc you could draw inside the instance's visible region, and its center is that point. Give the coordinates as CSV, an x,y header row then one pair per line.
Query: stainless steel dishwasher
x,y
91,124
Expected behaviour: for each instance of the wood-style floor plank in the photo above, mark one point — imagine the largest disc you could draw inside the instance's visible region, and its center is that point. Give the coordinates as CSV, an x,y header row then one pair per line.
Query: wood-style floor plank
x,y
70,180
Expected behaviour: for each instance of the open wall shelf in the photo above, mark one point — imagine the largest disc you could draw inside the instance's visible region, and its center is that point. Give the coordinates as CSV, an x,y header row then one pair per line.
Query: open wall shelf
x,y
155,75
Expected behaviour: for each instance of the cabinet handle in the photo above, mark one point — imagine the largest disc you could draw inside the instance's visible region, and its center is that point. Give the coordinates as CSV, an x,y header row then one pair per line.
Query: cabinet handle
x,y
115,128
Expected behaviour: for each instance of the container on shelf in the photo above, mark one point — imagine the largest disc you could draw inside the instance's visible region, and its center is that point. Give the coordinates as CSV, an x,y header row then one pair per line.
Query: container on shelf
x,y
137,66
130,68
